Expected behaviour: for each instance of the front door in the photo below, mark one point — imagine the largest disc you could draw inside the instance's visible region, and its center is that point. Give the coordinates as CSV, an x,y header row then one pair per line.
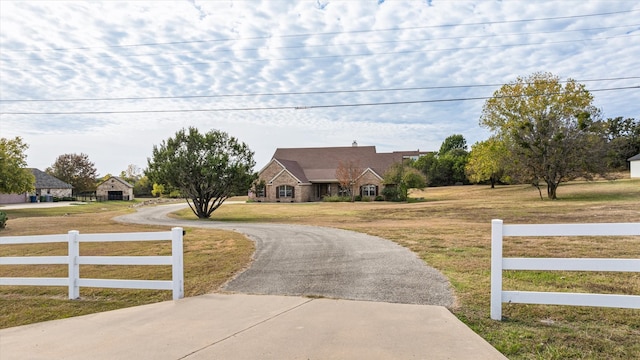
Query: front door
x,y
322,190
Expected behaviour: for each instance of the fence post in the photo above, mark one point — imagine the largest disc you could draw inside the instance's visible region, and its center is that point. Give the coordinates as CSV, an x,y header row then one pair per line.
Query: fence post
x,y
177,263
74,267
496,269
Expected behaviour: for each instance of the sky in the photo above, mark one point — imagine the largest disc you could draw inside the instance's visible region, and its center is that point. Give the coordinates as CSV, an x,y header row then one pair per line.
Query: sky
x,y
111,79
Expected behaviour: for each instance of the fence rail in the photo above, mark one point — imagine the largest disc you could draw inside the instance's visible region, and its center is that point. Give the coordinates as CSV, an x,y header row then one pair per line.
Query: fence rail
x,y
499,263
74,260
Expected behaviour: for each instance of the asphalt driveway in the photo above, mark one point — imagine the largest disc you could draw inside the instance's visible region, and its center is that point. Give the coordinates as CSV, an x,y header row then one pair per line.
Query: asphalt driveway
x,y
323,262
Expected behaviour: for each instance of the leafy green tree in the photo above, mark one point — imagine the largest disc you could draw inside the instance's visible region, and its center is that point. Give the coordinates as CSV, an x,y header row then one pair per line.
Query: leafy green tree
x,y
623,135
453,142
15,178
553,130
205,168
446,167
401,177
142,187
75,169
488,161
158,190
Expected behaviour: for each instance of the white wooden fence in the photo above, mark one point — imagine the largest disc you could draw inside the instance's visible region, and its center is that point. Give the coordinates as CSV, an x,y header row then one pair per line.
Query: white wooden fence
x,y
74,260
498,264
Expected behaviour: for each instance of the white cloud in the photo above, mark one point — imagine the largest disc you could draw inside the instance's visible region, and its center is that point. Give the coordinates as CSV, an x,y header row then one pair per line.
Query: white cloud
x,y
248,47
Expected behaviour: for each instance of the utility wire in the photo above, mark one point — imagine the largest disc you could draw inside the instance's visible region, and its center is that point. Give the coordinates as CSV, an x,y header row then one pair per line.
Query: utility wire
x,y
327,56
331,33
306,46
295,92
292,107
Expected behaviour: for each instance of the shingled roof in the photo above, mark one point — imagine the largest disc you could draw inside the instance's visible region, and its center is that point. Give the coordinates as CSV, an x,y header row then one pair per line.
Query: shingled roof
x,y
320,164
46,181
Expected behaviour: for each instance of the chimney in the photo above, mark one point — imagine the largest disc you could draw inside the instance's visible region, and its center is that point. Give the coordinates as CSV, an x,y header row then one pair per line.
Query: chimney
x,y
355,143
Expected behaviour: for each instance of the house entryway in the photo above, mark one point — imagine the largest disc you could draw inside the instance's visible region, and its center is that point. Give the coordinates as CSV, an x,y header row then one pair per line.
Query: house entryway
x,y
322,190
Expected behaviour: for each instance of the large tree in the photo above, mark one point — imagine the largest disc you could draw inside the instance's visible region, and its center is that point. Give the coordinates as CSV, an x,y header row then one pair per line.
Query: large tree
x,y
75,169
348,174
205,168
453,142
554,131
15,178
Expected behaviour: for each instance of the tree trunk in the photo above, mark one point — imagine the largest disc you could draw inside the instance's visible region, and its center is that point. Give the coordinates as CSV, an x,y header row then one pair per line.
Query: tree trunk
x,y
551,190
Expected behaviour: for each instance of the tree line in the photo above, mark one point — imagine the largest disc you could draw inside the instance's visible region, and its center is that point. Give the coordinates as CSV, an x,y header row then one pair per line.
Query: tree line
x,y
544,132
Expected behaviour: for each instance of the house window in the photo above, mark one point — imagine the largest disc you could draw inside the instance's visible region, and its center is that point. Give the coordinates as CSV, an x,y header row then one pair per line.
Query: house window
x,y
369,190
344,191
260,192
284,191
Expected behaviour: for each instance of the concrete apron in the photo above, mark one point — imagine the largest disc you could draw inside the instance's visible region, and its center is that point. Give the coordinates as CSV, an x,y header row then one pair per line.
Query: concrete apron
x,y
217,326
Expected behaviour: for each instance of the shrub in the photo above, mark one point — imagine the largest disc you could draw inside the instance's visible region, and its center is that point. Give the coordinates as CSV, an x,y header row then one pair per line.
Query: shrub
x,y
379,198
336,198
3,220
358,198
391,193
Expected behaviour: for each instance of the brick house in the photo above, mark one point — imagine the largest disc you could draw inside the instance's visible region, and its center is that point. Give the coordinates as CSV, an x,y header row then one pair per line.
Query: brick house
x,y
309,174
114,188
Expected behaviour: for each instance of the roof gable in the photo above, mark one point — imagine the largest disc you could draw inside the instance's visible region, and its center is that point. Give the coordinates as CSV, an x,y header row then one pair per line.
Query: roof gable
x,y
122,181
634,158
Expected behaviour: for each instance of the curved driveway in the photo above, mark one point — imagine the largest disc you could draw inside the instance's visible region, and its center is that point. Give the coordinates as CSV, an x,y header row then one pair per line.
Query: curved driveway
x,y
317,261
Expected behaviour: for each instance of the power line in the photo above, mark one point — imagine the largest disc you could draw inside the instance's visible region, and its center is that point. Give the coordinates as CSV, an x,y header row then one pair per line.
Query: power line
x,y
329,33
306,107
330,56
295,92
306,46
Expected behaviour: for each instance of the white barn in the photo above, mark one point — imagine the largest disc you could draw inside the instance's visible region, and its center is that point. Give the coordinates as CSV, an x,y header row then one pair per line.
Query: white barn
x,y
634,164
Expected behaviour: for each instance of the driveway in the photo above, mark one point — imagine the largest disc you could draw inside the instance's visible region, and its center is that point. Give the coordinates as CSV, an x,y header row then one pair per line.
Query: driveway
x,y
324,262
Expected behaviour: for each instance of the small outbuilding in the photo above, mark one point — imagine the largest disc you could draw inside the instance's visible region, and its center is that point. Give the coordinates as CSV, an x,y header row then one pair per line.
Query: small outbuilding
x,y
634,165
46,188
114,188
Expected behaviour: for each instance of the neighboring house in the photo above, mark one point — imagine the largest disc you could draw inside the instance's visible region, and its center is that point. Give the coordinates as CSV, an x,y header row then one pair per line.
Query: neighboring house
x,y
634,164
46,188
114,188
309,174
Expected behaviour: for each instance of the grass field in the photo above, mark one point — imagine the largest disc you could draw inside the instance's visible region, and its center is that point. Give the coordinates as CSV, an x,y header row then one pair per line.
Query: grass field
x,y
450,230
211,257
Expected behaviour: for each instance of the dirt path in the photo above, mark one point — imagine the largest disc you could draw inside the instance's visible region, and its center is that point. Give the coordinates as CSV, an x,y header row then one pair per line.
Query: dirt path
x,y
325,262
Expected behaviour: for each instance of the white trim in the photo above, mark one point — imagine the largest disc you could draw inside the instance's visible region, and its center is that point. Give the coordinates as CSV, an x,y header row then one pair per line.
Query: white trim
x,y
284,168
370,170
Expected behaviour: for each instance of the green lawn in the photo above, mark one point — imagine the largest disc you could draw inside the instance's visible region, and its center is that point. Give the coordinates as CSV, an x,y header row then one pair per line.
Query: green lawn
x,y
450,230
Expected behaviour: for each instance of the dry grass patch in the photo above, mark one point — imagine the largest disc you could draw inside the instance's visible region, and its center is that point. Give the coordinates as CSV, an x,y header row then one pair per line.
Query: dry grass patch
x,y
451,231
211,257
